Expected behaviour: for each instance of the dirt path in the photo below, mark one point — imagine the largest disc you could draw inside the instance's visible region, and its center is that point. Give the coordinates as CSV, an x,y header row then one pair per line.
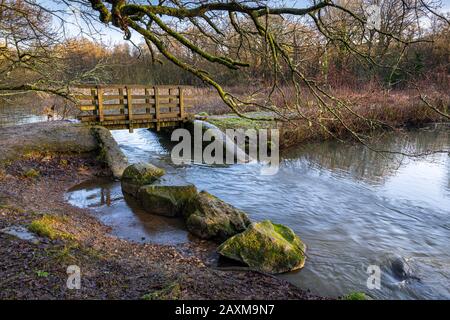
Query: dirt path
x,y
32,190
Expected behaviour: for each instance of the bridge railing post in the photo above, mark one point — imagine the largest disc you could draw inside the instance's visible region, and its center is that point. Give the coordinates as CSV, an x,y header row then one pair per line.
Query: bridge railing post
x,y
181,102
171,93
100,103
121,101
147,102
94,100
157,110
130,108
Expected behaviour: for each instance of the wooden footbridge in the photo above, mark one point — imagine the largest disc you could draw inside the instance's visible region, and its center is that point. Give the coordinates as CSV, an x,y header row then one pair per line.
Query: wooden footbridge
x,y
133,106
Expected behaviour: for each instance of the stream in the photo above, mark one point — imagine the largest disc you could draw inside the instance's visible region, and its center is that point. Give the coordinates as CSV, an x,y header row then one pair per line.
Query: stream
x,y
352,207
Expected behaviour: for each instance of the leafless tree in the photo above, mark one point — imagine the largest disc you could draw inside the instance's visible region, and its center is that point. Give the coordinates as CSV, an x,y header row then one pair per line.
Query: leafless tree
x,y
34,51
216,31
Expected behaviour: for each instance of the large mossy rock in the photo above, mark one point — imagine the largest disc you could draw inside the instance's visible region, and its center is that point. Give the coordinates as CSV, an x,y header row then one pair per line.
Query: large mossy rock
x,y
208,217
267,247
166,200
138,175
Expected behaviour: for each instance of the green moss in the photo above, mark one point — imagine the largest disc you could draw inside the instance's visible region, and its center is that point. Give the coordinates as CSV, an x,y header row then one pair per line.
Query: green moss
x,y
208,217
47,226
267,247
171,292
33,154
356,296
42,274
101,156
138,175
13,209
72,251
142,173
166,200
64,253
236,122
32,174
6,163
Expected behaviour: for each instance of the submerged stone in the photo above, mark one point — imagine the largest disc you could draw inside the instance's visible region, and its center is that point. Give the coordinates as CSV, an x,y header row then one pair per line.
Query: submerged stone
x,y
208,217
402,269
138,175
267,247
166,200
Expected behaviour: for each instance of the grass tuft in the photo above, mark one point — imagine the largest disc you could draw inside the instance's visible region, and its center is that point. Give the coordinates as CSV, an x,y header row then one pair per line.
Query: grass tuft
x,y
42,274
356,296
32,174
47,226
171,292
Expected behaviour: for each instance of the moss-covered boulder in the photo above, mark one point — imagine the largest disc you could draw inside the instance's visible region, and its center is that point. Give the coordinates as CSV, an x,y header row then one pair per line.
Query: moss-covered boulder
x,y
166,200
208,217
267,247
138,175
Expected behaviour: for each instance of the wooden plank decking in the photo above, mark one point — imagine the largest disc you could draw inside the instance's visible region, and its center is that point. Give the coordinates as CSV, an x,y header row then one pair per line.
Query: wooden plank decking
x,y
133,106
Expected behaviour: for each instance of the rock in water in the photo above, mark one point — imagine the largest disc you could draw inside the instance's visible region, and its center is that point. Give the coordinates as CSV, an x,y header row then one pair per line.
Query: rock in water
x,y
166,200
267,247
208,217
138,175
402,270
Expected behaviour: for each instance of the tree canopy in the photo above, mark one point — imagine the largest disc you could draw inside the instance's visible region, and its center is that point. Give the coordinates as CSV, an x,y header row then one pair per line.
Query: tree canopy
x,y
290,51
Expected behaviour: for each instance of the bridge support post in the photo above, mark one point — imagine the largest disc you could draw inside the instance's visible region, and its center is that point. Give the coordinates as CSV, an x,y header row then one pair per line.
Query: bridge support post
x,y
147,101
130,109
94,100
157,110
100,103
181,102
121,102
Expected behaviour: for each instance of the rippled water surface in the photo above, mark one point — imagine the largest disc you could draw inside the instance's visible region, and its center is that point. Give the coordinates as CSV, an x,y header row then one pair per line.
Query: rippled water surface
x,y
353,208
14,115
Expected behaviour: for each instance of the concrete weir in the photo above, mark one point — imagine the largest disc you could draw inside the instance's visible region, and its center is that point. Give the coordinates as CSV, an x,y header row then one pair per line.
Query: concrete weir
x,y
230,147
110,150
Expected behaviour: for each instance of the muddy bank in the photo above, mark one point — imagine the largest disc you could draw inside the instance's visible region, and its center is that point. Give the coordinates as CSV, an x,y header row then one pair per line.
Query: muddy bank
x,y
39,164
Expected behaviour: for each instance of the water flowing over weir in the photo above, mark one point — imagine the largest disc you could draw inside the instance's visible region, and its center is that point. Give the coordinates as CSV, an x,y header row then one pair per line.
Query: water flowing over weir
x,y
351,206
231,148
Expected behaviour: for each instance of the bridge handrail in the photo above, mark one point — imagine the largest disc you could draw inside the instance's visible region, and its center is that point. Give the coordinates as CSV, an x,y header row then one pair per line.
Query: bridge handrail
x,y
159,107
137,86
